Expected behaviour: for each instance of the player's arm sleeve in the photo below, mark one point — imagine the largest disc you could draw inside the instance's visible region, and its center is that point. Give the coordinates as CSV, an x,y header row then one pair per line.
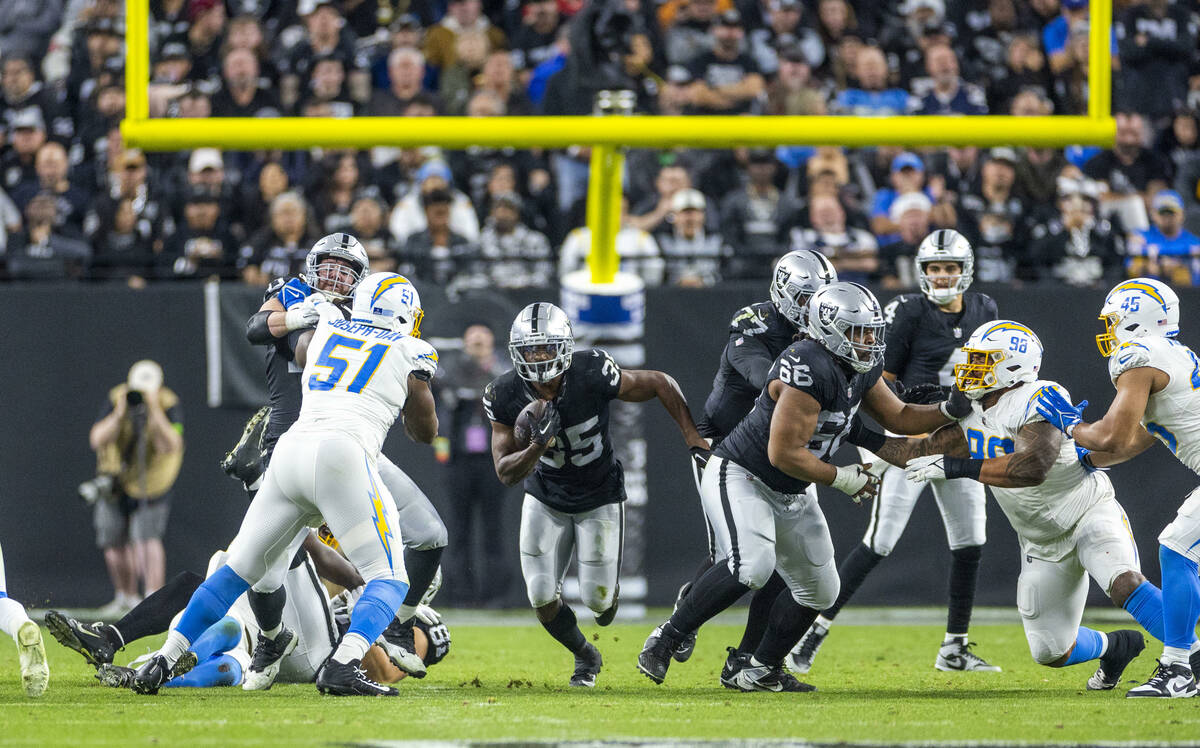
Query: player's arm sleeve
x,y
897,336
750,358
607,376
497,410
258,330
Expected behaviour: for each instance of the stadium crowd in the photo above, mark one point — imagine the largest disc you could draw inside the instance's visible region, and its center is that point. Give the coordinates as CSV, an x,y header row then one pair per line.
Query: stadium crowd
x,y
76,204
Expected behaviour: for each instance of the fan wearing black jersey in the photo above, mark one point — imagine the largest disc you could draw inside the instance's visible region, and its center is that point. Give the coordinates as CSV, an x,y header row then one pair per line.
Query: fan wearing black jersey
x,y
757,335
755,486
925,334
574,486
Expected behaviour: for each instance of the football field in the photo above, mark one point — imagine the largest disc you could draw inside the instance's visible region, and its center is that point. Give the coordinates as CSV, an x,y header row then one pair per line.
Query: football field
x,y
507,683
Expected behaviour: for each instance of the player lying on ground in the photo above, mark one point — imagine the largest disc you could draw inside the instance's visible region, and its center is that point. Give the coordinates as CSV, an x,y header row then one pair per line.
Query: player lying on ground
x,y
754,487
323,467
1063,509
333,267
1158,396
574,488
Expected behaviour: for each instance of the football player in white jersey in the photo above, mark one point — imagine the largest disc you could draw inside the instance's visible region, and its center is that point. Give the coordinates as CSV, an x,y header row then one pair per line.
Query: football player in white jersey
x,y
1063,509
1158,396
324,469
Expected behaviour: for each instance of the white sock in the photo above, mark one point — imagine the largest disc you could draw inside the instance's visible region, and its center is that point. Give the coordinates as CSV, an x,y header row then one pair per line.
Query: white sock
x,y
1103,643
353,647
1195,646
273,632
824,622
1175,656
174,647
405,612
127,600
954,639
12,615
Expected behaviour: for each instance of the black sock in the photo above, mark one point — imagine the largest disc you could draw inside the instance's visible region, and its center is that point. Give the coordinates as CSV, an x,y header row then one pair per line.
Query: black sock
x,y
788,622
153,615
761,603
565,629
701,571
422,567
715,591
268,608
964,570
853,572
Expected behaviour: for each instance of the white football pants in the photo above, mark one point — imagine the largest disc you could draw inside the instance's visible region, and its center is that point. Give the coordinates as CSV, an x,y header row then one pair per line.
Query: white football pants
x,y
549,536
962,503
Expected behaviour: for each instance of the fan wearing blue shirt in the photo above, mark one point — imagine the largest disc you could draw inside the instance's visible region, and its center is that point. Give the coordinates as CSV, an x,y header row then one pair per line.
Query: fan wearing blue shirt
x,y
1165,250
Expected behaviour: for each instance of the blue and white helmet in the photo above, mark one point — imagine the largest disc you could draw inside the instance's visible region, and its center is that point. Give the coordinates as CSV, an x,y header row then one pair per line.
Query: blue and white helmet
x,y
341,280
797,276
1137,308
1000,353
390,301
541,342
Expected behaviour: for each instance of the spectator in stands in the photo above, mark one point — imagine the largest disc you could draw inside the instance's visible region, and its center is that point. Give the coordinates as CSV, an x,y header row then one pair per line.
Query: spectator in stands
x,y
651,215
638,252
258,194
328,95
27,134
907,175
461,16
499,78
127,181
957,169
243,94
784,30
342,183
836,23
1180,139
408,217
22,89
950,94
692,256
1026,71
53,179
368,225
206,168
872,97
853,252
514,255
456,81
1000,245
406,76
204,34
1165,250
726,80
1130,174
172,65
436,254
202,246
910,212
278,249
325,36
25,27
793,90
245,32
41,252
120,250
1057,33
1077,247
688,37
535,41
1070,86
996,196
756,218
1158,51
908,38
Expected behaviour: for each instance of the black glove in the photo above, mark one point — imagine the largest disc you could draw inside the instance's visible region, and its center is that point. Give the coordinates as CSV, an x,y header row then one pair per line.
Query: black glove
x,y
701,456
925,394
957,406
546,427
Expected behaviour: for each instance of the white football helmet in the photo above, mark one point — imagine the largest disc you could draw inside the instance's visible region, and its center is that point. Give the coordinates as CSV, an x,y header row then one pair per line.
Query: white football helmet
x,y
390,301
342,280
797,275
999,353
1136,308
945,245
846,319
540,330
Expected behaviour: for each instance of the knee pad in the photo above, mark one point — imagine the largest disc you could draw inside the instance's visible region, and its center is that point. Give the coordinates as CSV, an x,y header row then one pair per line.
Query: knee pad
x,y
1044,648
824,592
432,534
541,589
755,570
597,597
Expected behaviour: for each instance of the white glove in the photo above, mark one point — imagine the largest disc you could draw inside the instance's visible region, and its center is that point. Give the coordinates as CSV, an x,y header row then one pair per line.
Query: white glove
x,y
302,316
857,482
428,615
921,469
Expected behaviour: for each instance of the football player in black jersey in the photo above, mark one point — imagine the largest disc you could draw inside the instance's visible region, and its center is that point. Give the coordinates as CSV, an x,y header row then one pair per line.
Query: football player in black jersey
x,y
925,334
574,486
333,267
757,335
755,486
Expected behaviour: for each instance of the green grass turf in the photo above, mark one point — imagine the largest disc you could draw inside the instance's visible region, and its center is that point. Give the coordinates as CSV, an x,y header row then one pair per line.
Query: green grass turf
x,y
877,684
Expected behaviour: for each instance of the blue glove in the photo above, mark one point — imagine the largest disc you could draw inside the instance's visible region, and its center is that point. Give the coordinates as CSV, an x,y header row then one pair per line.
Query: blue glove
x,y
1058,411
1086,460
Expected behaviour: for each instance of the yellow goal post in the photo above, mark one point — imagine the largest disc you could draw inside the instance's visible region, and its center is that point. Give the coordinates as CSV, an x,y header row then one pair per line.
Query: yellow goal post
x,y
608,134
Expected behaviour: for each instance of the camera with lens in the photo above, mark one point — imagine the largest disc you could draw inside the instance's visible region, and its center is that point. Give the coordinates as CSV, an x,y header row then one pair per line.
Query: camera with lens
x,y
99,488
133,398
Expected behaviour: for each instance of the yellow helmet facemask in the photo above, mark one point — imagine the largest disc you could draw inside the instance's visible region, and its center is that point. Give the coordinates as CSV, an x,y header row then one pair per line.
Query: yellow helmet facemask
x,y
979,370
1107,341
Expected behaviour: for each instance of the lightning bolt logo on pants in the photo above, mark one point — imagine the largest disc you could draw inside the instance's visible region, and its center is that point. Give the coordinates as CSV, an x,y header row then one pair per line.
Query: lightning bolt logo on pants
x,y
380,517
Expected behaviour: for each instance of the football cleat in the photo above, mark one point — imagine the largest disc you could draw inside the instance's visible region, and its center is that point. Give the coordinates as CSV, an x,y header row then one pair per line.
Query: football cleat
x,y
1125,646
115,676
1168,682
1194,661
587,667
397,644
151,676
35,673
734,664
655,656
267,659
800,659
767,678
687,645
956,655
349,679
88,639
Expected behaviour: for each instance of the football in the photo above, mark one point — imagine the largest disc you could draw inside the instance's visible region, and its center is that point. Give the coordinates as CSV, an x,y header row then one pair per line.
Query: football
x,y
528,416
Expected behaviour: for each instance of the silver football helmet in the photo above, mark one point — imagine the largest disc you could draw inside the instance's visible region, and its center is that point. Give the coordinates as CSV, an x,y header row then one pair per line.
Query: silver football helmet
x,y
541,342
798,274
341,280
945,245
846,319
